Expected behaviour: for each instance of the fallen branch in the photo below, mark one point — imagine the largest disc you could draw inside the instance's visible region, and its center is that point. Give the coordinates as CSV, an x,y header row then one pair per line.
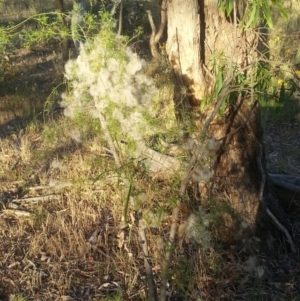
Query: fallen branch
x,y
288,182
19,213
159,163
42,198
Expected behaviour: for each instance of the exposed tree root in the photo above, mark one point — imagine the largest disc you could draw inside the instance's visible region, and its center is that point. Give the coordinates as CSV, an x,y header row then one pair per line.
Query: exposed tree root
x,y
286,181
283,229
268,196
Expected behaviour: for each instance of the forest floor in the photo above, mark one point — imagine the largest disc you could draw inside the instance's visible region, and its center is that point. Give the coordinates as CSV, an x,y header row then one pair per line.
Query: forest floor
x,y
62,229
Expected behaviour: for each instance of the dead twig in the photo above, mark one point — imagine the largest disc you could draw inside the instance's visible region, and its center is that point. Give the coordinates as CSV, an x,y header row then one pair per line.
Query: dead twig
x,y
147,263
15,212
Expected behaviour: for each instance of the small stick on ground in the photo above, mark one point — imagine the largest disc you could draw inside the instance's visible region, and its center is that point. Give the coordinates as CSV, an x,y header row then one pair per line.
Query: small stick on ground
x,y
36,199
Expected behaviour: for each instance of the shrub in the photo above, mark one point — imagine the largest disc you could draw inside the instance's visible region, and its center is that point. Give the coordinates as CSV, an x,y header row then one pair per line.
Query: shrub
x,y
107,81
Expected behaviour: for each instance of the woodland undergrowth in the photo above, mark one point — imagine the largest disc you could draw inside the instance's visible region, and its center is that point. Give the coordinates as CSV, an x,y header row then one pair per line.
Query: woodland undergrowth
x,y
87,196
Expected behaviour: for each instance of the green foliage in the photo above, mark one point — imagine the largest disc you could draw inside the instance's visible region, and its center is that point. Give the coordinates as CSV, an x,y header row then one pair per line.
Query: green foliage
x,y
282,104
265,84
44,27
126,205
220,86
259,11
33,30
271,88
226,6
264,81
5,38
50,135
258,80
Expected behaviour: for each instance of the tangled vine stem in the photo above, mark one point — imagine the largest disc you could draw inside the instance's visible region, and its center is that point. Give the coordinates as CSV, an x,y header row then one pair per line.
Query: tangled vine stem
x,y
147,263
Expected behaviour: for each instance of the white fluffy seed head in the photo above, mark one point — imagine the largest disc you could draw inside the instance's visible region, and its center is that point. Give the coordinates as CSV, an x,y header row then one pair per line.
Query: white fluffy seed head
x,y
110,83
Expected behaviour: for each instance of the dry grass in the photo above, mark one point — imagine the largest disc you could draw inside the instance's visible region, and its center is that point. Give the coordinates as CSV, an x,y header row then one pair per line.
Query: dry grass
x,y
47,255
73,243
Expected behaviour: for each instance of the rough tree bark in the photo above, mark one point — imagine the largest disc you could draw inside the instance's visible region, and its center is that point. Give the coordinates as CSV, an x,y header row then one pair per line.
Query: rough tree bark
x,y
199,35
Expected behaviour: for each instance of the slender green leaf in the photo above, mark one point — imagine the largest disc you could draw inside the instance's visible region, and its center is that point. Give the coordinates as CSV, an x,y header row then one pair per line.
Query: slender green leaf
x,y
127,204
267,14
222,108
219,83
253,16
202,104
229,6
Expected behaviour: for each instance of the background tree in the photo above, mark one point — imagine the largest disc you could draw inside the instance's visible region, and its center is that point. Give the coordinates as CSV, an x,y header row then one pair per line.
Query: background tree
x,y
65,42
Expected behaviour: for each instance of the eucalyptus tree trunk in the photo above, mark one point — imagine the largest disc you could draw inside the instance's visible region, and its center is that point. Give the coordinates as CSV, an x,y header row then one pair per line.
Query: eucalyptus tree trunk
x,y
202,41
